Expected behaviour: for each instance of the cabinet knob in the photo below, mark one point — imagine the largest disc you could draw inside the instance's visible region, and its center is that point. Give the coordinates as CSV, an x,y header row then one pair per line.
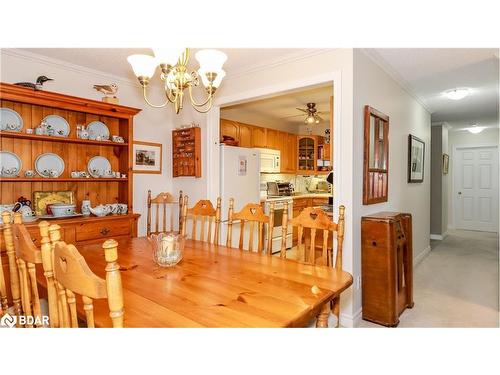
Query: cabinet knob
x,y
104,231
374,243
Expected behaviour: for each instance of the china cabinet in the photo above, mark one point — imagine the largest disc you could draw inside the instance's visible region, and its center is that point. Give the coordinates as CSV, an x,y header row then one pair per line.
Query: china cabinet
x,y
33,106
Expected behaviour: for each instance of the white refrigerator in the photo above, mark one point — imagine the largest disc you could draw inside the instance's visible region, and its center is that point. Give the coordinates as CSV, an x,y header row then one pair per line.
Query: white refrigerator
x,y
239,179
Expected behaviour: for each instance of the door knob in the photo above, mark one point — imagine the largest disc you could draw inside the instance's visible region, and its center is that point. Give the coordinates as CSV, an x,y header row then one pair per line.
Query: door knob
x,y
459,193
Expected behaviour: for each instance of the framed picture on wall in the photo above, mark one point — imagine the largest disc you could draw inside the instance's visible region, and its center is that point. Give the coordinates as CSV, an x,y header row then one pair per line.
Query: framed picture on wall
x,y
147,157
416,153
446,163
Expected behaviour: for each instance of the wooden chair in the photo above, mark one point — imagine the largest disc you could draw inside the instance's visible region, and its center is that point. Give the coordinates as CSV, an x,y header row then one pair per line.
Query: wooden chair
x,y
28,256
251,214
74,277
204,212
315,219
165,200
15,287
4,305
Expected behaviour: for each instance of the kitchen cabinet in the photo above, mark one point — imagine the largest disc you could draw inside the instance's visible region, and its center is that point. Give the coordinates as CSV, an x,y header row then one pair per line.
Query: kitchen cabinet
x,y
306,154
245,135
273,140
259,137
288,153
229,128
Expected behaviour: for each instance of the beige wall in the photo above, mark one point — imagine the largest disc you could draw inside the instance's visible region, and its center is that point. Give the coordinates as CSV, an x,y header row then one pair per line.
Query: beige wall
x,y
439,181
373,86
153,125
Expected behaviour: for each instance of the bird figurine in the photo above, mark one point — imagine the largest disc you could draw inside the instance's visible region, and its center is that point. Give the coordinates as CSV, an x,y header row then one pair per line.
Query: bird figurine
x,y
107,90
38,85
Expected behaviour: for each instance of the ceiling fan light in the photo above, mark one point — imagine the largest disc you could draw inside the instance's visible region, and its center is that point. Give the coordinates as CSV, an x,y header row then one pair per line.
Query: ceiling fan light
x,y
457,94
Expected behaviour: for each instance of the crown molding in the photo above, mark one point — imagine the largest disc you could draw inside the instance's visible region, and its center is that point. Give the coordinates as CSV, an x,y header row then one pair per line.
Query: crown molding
x,y
35,57
271,63
386,67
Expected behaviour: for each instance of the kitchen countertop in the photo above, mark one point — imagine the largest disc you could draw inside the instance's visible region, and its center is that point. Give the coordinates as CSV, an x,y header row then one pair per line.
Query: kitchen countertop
x,y
311,195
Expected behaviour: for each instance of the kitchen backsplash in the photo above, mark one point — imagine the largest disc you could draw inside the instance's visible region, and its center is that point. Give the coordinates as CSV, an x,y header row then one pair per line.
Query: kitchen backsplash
x,y
302,184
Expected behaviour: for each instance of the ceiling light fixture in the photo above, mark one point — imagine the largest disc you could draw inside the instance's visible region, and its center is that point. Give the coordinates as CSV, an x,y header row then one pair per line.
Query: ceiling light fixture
x,y
474,129
173,64
457,94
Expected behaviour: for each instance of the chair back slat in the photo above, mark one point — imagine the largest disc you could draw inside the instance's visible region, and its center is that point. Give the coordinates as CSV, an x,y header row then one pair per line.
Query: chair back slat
x,y
88,307
162,205
48,272
252,215
15,284
73,316
204,213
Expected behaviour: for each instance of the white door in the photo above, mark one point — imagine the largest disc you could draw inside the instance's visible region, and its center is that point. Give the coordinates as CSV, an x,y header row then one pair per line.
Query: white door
x,y
476,188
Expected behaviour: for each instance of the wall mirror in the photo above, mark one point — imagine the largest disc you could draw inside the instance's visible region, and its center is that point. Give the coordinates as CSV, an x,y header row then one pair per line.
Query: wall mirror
x,y
376,156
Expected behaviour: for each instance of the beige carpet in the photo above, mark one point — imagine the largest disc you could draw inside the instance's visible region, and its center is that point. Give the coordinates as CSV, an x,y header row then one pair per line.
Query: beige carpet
x,y
457,284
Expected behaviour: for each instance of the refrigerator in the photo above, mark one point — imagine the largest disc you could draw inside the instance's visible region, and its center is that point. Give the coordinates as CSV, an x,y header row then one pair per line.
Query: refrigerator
x,y
239,179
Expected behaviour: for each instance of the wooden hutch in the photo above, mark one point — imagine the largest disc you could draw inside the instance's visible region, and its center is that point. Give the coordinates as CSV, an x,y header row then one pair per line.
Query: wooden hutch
x,y
33,106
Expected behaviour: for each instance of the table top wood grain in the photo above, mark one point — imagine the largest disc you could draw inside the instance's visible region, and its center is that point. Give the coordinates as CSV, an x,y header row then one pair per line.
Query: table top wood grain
x,y
215,286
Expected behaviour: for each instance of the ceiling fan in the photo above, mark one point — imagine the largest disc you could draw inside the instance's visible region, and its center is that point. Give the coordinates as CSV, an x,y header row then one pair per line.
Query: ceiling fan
x,y
312,114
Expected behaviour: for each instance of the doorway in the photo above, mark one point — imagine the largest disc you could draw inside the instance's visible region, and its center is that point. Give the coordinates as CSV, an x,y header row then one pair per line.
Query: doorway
x,y
475,188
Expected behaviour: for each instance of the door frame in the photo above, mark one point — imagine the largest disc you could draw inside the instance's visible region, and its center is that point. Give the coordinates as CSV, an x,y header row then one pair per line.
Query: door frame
x,y
213,128
454,168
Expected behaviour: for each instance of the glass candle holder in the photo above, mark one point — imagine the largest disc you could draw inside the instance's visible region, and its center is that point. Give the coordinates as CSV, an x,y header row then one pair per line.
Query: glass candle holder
x,y
167,248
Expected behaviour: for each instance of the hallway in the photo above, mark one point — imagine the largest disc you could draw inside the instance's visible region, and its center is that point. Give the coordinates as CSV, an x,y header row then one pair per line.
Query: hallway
x,y
456,285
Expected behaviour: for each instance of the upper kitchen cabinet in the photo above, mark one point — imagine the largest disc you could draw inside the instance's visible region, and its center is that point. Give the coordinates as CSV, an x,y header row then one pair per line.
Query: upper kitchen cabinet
x,y
274,139
306,154
288,153
259,137
245,135
229,128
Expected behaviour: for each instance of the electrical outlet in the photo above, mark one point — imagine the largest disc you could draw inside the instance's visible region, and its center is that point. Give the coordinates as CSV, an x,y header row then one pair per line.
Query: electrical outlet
x,y
358,282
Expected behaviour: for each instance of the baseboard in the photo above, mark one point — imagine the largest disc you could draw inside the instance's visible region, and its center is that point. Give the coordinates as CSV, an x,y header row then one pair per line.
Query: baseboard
x,y
438,237
351,321
420,257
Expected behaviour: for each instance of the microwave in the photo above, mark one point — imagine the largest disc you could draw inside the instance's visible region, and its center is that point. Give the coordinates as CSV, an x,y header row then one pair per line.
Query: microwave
x,y
270,160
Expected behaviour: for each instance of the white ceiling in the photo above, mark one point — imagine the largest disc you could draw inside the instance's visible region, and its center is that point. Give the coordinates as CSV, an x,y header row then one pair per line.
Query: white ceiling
x,y
427,73
280,111
114,60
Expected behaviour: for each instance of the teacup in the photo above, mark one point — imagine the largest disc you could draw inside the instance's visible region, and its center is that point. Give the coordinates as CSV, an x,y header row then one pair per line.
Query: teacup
x,y
75,174
108,173
122,208
113,208
96,172
53,173
29,173
11,126
29,131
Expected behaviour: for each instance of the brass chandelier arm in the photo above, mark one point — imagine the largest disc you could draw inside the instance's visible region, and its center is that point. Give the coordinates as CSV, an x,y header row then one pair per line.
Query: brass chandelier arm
x,y
195,104
209,101
151,104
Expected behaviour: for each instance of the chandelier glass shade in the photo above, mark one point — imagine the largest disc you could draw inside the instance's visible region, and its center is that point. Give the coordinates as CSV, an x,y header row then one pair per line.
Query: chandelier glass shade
x,y
176,77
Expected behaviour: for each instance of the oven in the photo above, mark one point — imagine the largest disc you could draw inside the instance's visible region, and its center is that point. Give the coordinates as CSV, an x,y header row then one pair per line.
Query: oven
x,y
280,203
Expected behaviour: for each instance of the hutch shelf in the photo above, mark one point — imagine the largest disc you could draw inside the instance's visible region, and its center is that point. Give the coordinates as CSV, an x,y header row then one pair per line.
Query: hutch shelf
x,y
33,106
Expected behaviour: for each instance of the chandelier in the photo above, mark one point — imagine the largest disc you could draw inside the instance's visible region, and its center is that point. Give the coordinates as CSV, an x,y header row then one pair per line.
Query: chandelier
x,y
174,73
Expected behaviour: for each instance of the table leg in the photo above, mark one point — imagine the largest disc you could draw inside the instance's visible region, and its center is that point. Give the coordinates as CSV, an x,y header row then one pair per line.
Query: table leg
x,y
322,320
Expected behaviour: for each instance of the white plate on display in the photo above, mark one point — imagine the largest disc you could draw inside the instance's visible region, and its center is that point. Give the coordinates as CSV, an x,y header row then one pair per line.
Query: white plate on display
x,y
47,162
98,165
10,120
59,124
10,164
98,129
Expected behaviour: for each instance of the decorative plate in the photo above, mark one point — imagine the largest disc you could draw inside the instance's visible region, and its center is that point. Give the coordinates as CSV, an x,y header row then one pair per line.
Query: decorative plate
x,y
98,129
10,120
10,164
42,198
98,165
59,124
47,162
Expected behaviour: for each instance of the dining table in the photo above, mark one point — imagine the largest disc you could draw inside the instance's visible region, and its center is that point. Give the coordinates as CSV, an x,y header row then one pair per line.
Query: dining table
x,y
215,286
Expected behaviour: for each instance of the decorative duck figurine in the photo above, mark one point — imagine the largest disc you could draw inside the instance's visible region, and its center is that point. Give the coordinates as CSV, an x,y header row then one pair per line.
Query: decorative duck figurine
x,y
38,85
100,210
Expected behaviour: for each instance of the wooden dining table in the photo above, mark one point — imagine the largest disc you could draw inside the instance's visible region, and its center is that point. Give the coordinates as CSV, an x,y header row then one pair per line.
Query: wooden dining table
x,y
215,286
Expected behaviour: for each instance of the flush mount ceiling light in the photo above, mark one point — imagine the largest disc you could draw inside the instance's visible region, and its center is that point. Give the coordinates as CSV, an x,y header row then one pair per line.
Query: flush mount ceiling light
x,y
174,73
457,94
474,129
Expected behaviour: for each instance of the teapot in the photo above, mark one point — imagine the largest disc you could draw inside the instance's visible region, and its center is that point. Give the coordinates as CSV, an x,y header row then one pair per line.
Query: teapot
x,y
100,210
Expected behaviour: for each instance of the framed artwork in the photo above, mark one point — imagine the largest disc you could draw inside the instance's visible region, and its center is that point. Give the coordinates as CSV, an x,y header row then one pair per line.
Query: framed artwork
x,y
42,198
446,163
147,157
416,153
